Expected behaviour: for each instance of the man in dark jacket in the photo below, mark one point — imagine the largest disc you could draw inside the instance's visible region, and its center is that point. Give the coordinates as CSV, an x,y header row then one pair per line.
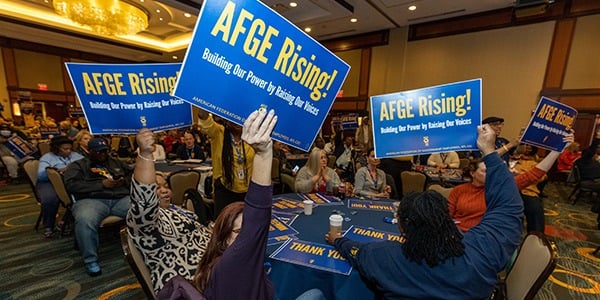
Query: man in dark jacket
x,y
100,185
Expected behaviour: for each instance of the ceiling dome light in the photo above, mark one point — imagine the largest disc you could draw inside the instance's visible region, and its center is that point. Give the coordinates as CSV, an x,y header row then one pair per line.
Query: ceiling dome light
x,y
412,7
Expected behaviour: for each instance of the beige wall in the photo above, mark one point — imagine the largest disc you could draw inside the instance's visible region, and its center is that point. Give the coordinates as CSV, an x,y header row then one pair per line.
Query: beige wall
x,y
583,68
34,68
350,86
4,92
511,62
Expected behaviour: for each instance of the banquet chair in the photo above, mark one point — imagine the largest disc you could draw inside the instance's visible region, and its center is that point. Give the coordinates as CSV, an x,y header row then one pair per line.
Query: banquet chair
x,y
31,167
136,261
289,181
66,200
535,261
331,161
180,181
412,181
579,187
275,173
44,147
440,189
464,163
389,180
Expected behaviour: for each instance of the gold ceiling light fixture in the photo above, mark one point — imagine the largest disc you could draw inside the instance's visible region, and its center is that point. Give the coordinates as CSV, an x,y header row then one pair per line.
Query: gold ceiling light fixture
x,y
108,17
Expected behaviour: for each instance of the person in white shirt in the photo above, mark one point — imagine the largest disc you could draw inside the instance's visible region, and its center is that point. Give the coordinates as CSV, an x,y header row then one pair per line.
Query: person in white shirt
x,y
444,160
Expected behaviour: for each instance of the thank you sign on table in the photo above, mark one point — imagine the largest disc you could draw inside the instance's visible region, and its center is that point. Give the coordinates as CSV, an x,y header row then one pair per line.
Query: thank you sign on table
x,y
370,205
434,119
370,234
314,255
122,98
550,122
244,55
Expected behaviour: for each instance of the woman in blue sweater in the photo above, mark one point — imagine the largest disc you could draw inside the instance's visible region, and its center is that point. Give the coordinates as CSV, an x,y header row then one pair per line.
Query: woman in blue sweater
x,y
437,261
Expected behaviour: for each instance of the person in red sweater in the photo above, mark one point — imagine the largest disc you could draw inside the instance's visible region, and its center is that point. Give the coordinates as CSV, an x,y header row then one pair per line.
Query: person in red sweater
x,y
568,157
466,202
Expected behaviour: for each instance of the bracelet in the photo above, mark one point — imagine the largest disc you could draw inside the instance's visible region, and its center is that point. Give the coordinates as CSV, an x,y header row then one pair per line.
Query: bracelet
x,y
504,146
146,159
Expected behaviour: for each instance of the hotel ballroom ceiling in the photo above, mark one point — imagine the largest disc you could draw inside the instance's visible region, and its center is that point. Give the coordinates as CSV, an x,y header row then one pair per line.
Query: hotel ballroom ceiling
x,y
169,31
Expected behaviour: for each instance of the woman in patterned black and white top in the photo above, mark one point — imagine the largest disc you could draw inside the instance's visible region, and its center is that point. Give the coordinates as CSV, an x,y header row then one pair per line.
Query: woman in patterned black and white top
x,y
170,242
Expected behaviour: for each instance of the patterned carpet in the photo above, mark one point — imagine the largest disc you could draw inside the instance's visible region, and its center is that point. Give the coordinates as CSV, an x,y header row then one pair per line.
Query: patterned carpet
x,y
37,268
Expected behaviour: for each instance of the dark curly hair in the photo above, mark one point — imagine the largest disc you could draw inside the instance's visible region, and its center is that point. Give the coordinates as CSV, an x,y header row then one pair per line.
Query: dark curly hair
x,y
430,232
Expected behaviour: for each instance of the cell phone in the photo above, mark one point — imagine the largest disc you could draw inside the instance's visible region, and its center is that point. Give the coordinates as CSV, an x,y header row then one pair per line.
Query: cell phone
x,y
295,169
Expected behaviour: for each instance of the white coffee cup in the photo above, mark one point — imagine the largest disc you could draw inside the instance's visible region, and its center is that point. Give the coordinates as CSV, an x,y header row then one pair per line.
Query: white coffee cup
x,y
335,224
308,207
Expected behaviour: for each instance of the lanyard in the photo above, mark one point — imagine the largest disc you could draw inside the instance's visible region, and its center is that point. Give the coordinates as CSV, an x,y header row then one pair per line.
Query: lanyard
x,y
373,178
241,153
190,152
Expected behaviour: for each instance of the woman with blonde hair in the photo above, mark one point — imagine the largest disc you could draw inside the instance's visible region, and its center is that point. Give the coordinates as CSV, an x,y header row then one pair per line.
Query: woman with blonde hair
x,y
316,176
80,143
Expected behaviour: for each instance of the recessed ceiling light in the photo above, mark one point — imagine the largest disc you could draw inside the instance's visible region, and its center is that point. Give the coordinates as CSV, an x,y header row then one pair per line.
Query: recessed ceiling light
x,y
187,15
307,29
354,20
158,11
412,7
293,4
175,57
160,19
141,0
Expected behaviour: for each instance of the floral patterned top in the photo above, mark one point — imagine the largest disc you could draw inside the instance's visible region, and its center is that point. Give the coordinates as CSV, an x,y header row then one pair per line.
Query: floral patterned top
x,y
171,243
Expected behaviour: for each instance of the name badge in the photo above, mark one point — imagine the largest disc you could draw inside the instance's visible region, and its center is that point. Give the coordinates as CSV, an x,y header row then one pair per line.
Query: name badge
x,y
240,173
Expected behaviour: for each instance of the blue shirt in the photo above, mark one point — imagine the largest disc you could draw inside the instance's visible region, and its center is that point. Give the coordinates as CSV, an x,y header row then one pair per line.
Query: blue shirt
x,y
472,275
56,161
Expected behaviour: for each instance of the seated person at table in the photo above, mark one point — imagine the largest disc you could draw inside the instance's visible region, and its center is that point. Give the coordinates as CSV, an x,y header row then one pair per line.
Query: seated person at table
x,y
437,261
100,185
316,176
532,202
233,266
80,144
370,181
158,152
344,162
189,149
59,157
171,242
568,157
466,202
444,160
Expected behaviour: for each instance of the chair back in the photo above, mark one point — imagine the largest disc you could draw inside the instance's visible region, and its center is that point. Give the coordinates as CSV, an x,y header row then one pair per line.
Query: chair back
x,y
180,181
535,262
464,163
574,175
58,184
31,169
412,181
136,261
440,189
331,161
275,170
289,181
389,180
44,147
